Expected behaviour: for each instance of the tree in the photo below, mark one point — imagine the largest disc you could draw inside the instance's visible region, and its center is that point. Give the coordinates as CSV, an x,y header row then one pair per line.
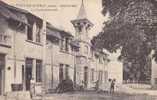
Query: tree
x,y
132,28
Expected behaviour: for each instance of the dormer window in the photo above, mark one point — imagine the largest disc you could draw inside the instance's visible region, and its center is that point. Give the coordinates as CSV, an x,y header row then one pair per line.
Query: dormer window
x,y
65,44
30,30
38,34
34,30
30,33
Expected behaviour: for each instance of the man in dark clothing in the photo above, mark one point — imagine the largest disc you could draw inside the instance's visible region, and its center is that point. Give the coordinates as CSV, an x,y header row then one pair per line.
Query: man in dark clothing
x,y
112,87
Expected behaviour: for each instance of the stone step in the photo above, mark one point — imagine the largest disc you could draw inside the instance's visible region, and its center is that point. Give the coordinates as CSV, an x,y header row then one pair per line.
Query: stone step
x,y
2,97
18,95
37,98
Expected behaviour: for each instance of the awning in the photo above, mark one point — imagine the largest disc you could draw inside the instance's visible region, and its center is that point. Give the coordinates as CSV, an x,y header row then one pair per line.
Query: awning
x,y
64,33
10,15
52,33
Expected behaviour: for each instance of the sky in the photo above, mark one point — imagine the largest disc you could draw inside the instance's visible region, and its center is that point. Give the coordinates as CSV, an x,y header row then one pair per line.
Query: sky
x,y
60,12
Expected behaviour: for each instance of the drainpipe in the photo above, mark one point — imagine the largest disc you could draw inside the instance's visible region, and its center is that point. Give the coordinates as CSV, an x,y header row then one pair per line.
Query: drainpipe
x,y
52,64
75,69
44,59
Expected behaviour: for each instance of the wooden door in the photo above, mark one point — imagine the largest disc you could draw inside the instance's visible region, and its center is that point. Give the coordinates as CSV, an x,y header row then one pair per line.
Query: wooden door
x,y
28,75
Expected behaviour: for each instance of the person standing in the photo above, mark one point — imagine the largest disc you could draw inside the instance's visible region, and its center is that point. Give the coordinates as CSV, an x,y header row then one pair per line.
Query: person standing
x,y
32,89
112,87
97,85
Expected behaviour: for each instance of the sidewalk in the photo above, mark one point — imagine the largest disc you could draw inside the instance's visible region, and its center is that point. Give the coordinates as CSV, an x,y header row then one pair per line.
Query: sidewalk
x,y
125,89
97,96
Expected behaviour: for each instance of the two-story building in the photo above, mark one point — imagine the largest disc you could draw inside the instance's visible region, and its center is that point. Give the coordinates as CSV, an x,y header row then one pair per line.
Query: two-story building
x,y
60,56
21,48
73,57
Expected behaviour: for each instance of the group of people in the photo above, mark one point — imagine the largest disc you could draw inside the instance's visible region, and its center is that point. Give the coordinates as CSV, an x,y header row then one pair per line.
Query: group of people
x,y
110,87
67,86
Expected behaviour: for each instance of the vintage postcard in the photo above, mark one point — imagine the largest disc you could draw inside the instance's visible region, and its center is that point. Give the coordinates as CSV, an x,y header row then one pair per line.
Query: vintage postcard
x,y
78,49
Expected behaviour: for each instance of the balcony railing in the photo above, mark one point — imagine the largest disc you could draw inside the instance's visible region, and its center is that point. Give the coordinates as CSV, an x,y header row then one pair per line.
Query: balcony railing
x,y
5,40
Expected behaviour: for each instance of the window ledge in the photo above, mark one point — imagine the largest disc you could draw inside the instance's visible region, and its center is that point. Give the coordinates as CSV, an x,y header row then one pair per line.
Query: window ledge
x,y
38,83
63,51
37,43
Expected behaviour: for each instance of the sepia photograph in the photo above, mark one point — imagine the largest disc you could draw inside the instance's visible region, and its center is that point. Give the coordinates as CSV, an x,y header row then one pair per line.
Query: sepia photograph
x,y
78,49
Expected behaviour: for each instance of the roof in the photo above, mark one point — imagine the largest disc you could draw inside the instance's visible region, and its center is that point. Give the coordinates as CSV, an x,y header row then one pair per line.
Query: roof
x,y
75,44
64,33
5,12
12,8
52,31
82,12
82,16
48,25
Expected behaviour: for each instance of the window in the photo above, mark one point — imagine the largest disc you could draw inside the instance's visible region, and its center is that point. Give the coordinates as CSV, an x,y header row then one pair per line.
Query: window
x,y
105,76
155,80
92,53
30,33
79,27
60,72
23,73
29,62
100,76
38,37
38,71
34,31
67,72
30,30
66,44
28,72
62,44
100,60
92,74
86,49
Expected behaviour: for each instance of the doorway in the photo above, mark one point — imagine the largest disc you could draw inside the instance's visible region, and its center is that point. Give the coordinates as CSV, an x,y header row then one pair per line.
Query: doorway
x,y
85,77
61,73
28,75
2,65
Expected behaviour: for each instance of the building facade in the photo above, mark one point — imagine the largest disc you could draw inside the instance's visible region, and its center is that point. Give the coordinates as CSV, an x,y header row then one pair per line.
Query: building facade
x,y
90,62
33,49
22,48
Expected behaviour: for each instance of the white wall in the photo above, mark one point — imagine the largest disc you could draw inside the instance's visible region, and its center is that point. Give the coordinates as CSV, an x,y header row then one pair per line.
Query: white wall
x,y
115,67
154,73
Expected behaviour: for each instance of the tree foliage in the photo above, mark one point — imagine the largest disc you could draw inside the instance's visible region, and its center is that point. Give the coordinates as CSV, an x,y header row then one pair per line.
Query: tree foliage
x,y
132,28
